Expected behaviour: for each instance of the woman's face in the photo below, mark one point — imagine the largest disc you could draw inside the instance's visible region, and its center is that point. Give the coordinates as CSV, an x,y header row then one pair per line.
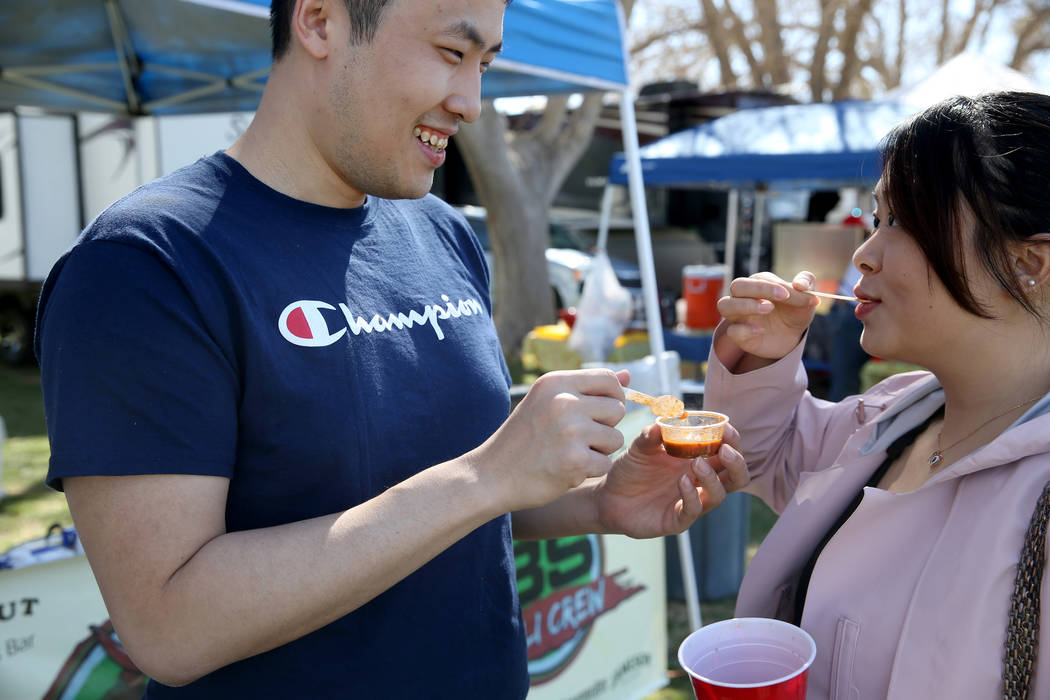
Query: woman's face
x,y
908,314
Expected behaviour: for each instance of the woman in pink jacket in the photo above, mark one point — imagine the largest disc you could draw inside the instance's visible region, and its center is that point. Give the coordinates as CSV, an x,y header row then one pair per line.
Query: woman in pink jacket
x,y
904,511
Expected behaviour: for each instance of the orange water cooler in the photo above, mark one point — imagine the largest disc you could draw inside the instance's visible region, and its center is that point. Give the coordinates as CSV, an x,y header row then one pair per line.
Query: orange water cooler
x,y
701,289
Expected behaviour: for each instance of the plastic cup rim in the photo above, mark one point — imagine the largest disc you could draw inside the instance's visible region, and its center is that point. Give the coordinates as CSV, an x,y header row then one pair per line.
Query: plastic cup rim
x,y
765,684
722,420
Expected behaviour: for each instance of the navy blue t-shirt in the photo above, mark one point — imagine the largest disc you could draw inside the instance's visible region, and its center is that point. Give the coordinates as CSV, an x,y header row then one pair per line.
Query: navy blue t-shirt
x,y
207,324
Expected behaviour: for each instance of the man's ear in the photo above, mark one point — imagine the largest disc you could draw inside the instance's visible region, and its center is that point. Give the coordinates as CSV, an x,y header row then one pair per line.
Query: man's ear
x,y
1032,259
310,26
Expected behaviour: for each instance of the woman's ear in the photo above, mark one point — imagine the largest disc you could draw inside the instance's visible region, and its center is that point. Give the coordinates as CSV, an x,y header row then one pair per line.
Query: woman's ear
x,y
310,26
1032,259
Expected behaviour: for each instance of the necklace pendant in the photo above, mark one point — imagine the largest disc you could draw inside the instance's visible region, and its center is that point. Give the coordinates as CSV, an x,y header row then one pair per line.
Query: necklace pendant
x,y
935,458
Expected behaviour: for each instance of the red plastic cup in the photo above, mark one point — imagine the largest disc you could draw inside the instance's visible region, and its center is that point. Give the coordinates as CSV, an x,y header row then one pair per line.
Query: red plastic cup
x,y
748,658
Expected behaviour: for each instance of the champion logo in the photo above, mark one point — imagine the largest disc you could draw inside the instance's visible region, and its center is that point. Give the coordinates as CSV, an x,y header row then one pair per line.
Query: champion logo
x,y
303,322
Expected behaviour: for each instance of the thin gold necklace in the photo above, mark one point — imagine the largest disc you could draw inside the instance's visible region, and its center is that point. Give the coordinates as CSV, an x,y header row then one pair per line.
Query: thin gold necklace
x,y
935,456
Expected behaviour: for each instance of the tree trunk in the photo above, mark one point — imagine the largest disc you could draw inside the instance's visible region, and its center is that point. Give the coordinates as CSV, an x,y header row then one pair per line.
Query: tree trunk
x,y
734,29
981,8
714,29
818,66
517,226
516,177
855,15
827,34
898,72
773,63
946,33
1032,35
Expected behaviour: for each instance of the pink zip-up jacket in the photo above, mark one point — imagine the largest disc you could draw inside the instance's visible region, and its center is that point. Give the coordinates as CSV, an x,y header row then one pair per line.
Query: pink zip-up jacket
x,y
909,600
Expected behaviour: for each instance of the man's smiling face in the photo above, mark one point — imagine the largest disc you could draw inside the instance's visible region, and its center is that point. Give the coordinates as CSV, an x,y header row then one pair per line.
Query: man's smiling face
x,y
395,102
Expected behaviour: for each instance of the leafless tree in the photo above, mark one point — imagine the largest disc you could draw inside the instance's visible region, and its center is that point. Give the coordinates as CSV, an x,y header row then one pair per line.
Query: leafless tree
x,y
823,49
765,43
517,175
1033,33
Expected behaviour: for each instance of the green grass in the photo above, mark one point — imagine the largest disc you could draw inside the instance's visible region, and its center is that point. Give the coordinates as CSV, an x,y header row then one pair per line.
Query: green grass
x,y
30,507
21,403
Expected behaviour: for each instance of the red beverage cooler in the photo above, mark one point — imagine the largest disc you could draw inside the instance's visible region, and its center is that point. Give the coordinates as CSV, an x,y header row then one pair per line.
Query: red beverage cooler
x,y
701,289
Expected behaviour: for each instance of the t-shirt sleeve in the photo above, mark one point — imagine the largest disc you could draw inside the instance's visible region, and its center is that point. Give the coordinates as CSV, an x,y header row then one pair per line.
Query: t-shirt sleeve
x,y
133,382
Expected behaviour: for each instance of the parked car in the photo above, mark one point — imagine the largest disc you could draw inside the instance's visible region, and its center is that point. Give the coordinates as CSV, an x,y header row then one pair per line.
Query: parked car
x,y
569,256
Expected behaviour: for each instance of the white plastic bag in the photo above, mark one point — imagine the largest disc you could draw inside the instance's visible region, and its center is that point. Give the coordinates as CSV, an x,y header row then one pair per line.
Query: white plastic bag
x,y
604,311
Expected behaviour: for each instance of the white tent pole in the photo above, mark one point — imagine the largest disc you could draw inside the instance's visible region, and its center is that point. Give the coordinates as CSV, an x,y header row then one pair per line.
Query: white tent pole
x,y
730,254
757,222
652,314
642,237
604,216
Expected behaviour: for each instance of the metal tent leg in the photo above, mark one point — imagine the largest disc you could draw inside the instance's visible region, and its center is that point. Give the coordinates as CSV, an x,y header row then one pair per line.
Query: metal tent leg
x,y
652,308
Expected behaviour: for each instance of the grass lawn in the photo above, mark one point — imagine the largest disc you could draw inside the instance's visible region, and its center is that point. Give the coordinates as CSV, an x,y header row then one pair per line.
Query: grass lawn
x,y
30,507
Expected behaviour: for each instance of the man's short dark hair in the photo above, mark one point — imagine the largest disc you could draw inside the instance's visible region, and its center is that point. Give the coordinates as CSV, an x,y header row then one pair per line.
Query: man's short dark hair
x,y
364,20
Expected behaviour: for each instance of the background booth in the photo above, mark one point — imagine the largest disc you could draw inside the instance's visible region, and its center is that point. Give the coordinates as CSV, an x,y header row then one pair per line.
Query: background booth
x,y
764,149
806,146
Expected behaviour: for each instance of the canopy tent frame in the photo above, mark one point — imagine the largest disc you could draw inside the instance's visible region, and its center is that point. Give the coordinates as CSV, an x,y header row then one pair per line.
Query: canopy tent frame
x,y
653,321
131,68
212,84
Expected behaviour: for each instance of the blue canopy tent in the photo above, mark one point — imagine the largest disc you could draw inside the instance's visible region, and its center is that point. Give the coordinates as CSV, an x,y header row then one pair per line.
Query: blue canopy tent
x,y
805,146
190,56
165,57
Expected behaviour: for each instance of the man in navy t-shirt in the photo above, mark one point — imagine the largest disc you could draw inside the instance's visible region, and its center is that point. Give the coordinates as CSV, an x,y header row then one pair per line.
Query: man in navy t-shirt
x,y
279,410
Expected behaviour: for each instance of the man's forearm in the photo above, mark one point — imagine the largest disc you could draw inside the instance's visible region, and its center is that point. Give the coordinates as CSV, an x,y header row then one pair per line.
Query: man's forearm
x,y
575,513
243,593
187,597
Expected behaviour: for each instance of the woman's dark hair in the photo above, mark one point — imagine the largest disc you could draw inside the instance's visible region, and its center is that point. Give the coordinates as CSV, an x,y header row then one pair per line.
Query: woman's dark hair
x,y
990,153
364,20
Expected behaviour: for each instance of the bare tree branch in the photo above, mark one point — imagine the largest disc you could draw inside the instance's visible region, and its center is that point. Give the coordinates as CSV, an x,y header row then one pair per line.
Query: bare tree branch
x,y
665,34
945,38
771,42
818,66
855,14
1033,35
981,10
553,119
877,59
842,49
714,27
735,28
898,69
572,142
